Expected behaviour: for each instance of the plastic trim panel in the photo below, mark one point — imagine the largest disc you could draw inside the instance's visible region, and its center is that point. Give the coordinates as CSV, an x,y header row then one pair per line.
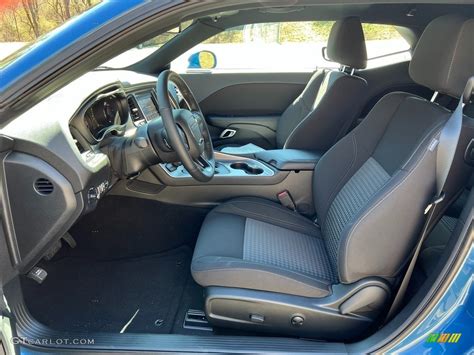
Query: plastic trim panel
x,y
28,328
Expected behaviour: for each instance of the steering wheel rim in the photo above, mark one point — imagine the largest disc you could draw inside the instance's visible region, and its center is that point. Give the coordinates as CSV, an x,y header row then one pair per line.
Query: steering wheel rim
x,y
192,144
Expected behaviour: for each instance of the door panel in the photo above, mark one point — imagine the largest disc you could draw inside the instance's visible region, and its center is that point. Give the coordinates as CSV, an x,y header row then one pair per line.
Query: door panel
x,y
259,130
249,103
252,99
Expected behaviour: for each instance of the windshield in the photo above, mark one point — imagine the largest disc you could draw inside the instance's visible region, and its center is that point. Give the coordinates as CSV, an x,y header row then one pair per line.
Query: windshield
x,y
25,22
141,51
144,49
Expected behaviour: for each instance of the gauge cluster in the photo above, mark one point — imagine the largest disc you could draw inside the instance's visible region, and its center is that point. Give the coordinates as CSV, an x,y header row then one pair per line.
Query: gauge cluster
x,y
105,113
111,112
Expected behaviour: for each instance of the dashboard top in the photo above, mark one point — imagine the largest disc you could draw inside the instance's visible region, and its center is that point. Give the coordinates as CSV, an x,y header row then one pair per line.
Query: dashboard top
x,y
45,128
62,105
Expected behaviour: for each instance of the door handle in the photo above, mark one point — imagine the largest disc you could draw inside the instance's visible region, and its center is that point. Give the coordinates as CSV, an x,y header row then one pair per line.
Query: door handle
x,y
227,133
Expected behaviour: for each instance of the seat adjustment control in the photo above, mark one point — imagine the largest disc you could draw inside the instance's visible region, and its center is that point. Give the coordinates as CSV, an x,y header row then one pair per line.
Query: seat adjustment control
x,y
257,318
297,321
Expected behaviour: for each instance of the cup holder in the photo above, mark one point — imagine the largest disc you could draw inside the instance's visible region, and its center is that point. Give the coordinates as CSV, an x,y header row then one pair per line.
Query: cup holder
x,y
247,168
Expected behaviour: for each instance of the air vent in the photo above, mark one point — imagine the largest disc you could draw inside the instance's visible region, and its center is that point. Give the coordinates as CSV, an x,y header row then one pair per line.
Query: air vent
x,y
44,186
134,112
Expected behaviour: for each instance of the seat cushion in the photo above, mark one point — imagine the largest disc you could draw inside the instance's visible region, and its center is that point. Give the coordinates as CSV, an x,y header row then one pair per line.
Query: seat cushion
x,y
258,244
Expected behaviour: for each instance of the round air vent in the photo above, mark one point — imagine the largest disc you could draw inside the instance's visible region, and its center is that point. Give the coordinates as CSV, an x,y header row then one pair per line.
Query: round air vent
x,y
43,186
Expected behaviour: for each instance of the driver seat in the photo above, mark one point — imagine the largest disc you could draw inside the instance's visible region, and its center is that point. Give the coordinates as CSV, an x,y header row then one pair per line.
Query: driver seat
x,y
268,268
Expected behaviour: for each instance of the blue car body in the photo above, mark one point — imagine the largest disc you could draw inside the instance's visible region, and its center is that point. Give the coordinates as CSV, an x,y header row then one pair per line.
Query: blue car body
x,y
62,37
452,315
448,327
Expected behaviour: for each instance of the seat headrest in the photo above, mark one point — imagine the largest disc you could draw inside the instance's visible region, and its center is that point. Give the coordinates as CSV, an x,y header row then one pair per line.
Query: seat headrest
x,y
443,59
346,43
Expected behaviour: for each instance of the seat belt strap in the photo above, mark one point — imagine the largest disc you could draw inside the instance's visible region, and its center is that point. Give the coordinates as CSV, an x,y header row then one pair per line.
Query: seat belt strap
x,y
447,145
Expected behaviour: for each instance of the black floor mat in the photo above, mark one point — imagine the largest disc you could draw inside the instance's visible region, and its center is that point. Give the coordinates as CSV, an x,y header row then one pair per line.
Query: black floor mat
x,y
124,227
87,295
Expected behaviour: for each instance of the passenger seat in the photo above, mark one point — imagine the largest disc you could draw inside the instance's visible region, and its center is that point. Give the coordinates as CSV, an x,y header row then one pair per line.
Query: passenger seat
x,y
331,100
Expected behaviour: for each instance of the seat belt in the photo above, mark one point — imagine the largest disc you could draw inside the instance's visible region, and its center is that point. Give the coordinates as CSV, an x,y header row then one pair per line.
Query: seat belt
x,y
447,145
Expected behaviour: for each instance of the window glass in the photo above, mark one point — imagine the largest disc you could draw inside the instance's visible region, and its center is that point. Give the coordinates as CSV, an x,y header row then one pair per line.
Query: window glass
x,y
283,47
385,45
141,51
146,48
286,47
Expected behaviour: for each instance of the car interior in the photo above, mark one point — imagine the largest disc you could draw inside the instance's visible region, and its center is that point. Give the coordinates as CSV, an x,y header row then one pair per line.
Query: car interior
x,y
317,118
250,204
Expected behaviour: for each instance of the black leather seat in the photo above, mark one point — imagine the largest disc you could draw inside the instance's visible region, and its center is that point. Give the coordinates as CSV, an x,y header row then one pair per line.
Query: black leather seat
x,y
263,265
330,102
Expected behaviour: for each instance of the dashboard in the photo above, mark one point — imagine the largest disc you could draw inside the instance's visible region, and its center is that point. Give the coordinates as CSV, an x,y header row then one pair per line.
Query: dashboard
x,y
54,155
147,105
108,111
113,111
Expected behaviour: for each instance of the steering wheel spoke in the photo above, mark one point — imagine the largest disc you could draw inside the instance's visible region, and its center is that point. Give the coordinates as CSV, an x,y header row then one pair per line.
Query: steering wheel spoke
x,y
203,162
186,130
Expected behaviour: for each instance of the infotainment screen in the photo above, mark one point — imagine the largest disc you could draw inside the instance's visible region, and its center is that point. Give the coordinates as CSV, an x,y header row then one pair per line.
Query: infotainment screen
x,y
147,105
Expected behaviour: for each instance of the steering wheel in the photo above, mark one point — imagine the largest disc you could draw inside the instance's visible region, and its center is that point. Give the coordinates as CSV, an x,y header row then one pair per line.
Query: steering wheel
x,y
186,130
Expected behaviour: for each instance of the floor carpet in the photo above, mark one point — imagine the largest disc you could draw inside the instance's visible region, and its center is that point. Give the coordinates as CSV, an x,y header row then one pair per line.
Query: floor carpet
x,y
150,293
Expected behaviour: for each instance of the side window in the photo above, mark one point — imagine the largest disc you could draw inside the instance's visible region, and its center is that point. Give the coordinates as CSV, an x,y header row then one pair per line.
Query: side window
x,y
263,47
385,45
285,47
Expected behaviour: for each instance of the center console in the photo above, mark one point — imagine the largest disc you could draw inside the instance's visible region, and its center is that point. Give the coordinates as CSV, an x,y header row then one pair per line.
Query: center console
x,y
267,163
227,166
264,175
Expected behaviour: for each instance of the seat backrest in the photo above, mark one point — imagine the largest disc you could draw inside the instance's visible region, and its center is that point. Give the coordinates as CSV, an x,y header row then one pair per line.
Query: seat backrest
x,y
332,99
371,188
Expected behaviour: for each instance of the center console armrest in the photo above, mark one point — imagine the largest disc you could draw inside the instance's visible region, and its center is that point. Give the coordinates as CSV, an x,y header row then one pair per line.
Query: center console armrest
x,y
289,159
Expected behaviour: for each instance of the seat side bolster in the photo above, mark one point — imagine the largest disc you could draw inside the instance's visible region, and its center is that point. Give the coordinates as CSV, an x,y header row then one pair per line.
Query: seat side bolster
x,y
387,223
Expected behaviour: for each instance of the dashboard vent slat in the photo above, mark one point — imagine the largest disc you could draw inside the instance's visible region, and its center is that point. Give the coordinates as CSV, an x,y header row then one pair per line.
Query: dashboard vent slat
x,y
43,186
134,112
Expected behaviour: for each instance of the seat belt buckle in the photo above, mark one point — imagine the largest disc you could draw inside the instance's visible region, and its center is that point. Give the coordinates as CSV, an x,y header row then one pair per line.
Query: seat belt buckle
x,y
437,199
286,200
